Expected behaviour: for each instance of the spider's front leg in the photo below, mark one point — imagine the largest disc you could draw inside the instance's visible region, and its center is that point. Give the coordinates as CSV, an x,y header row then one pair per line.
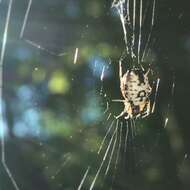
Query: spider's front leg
x,y
125,111
148,110
120,71
155,95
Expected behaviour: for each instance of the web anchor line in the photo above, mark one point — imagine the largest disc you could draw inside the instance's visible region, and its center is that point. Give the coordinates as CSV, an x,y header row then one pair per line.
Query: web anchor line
x,y
2,55
34,44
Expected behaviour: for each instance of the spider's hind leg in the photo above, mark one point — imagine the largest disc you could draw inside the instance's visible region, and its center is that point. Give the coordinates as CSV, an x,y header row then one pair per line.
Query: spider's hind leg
x,y
126,111
120,115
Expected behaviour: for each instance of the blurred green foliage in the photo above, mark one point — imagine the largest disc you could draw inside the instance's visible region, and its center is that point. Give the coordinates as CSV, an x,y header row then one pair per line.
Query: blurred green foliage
x,y
54,108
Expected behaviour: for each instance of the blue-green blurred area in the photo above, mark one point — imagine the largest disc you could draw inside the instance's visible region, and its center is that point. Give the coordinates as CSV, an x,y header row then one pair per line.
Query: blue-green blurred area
x,y
55,109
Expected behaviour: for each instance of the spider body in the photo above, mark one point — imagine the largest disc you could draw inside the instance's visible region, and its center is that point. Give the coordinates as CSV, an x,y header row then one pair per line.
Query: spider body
x,y
135,89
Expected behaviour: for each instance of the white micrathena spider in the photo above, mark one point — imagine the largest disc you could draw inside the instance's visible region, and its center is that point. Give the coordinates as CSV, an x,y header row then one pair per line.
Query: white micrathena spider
x,y
136,91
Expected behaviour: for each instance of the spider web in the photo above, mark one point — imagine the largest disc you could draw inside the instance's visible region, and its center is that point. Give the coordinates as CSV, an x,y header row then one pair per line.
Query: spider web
x,y
118,137
121,134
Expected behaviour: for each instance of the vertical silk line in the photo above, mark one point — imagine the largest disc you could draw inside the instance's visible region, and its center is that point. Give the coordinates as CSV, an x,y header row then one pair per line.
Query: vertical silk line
x,y
140,31
103,141
1,75
128,11
25,18
113,149
103,160
76,55
83,179
134,24
3,159
122,18
126,136
150,33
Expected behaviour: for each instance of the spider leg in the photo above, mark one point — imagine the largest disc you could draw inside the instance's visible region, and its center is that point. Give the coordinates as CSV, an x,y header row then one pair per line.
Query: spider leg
x,y
146,74
148,110
137,116
120,71
121,114
125,111
155,96
127,117
118,100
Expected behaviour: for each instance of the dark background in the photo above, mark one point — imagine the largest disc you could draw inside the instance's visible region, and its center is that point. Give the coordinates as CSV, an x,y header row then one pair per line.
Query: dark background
x,y
53,109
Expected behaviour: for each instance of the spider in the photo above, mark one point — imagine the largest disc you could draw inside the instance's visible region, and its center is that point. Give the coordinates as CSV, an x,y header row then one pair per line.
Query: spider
x,y
136,90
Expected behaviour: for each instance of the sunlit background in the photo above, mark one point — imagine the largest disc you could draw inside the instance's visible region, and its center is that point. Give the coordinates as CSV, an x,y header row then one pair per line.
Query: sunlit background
x,y
54,102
